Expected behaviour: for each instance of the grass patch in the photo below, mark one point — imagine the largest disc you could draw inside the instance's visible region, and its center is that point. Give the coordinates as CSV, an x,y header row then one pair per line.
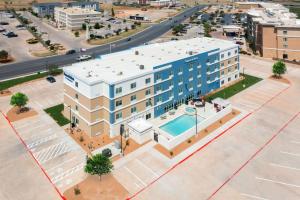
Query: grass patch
x,y
118,37
13,82
296,11
56,113
235,88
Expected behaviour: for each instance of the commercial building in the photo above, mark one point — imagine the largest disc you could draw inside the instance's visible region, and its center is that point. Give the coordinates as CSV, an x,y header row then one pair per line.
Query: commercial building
x,y
43,9
162,3
274,32
145,82
73,18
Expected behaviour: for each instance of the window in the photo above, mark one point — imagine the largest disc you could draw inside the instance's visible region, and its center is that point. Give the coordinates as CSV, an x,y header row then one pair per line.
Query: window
x,y
222,55
236,76
222,82
148,103
158,76
285,46
229,53
180,79
222,72
235,51
207,78
170,84
148,116
118,103
199,72
76,96
170,94
199,82
133,98
158,88
229,61
76,107
236,59
180,69
171,73
180,90
229,79
148,80
159,99
119,115
133,85
285,39
284,32
222,64
76,84
191,76
133,109
118,90
285,56
190,85
148,92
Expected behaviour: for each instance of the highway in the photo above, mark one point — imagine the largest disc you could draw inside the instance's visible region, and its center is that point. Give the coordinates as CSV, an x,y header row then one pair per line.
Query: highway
x,y
31,66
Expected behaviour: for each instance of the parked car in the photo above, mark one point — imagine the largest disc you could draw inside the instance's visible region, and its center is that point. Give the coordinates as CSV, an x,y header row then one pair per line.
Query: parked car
x,y
20,26
128,39
51,79
4,23
107,152
72,51
32,41
11,34
83,58
239,42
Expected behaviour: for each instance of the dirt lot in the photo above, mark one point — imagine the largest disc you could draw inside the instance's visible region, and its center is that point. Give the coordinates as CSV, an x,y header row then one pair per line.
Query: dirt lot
x,y
152,14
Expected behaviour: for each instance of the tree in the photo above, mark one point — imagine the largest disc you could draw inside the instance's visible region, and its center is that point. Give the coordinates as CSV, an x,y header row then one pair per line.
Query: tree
x,y
112,12
98,165
19,100
76,34
109,26
3,55
279,68
97,26
83,26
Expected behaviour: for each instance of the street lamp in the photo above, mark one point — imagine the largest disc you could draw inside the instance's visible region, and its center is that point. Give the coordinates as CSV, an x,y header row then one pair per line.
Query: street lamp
x,y
122,129
69,106
196,121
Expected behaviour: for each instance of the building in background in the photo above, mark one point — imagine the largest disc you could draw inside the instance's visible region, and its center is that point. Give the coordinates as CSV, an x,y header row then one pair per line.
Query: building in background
x,y
43,9
145,82
274,32
73,18
162,3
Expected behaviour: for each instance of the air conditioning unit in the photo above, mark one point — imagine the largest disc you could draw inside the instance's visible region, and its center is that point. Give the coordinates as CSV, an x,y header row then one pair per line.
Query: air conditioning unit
x,y
120,73
142,67
136,52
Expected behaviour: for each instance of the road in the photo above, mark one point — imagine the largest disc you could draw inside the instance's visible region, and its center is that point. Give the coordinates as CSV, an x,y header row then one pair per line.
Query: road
x,y
16,69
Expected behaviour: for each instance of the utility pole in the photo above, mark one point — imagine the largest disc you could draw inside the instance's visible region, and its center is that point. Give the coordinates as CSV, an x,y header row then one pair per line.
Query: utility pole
x,y
87,31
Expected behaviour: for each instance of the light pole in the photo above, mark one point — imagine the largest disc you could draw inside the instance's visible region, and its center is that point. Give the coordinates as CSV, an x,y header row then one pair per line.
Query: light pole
x,y
122,129
69,106
196,121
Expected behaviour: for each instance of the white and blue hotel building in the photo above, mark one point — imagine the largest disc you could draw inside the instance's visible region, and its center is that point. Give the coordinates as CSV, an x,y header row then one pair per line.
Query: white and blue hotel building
x,y
145,82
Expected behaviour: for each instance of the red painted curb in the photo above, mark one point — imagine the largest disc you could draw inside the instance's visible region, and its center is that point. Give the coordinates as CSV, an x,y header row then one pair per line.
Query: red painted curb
x,y
29,151
253,156
216,137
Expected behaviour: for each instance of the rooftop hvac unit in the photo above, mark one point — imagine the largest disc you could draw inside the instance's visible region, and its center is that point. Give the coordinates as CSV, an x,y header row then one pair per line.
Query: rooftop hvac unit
x,y
142,67
190,52
120,73
136,52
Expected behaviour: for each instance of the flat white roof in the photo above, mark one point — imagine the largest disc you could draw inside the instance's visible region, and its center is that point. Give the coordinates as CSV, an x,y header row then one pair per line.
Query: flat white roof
x,y
115,67
140,125
77,11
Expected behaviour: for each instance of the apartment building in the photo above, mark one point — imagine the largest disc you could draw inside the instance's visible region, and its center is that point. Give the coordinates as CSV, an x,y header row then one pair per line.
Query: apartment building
x,y
43,9
73,18
274,32
145,82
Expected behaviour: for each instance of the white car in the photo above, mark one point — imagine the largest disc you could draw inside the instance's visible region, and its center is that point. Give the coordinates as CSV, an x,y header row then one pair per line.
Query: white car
x,y
83,58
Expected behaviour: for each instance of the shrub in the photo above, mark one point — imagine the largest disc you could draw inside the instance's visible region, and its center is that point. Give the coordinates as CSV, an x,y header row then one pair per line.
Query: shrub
x,y
76,34
171,153
77,190
81,139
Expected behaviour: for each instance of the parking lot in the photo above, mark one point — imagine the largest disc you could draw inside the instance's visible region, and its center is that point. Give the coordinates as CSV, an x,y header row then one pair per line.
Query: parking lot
x,y
258,158
61,157
12,45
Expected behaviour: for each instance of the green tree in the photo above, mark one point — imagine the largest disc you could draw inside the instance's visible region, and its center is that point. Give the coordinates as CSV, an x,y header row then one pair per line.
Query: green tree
x,y
3,55
76,34
83,26
109,26
112,12
279,68
98,165
97,26
19,100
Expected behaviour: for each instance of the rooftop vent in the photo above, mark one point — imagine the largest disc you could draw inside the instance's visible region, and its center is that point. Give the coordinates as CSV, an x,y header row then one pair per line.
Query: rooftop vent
x,y
136,52
89,74
190,52
142,67
120,73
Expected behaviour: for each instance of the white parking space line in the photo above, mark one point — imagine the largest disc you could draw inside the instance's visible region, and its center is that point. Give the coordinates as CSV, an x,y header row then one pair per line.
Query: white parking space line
x,y
133,174
278,182
60,164
51,152
289,153
253,196
42,140
295,142
145,166
284,166
68,173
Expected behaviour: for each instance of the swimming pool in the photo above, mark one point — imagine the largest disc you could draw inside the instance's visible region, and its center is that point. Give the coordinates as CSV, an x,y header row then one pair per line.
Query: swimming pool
x,y
180,124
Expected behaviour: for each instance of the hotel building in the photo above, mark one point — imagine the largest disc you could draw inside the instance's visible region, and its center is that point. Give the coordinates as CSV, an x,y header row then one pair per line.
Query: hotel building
x,y
145,82
274,32
73,18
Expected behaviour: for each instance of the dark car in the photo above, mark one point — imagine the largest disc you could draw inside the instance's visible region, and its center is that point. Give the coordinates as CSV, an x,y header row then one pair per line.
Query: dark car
x,y
129,39
11,34
106,152
51,79
20,26
4,23
72,51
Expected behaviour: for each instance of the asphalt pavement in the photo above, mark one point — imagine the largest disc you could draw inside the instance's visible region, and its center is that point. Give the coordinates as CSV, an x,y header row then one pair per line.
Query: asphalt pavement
x,y
17,69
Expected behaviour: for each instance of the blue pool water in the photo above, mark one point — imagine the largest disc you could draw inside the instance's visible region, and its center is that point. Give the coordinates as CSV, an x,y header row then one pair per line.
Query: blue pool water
x,y
180,124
